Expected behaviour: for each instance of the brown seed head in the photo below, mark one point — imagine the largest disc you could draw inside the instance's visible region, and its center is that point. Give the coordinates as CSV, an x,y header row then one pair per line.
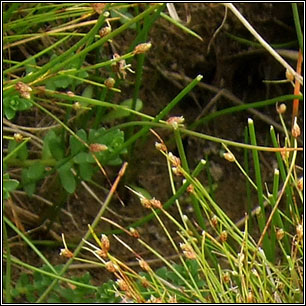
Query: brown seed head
x,y
134,232
223,236
289,75
175,120
214,221
175,161
105,244
160,146
146,203
226,277
97,147
66,253
295,131
190,188
122,285
18,137
172,300
280,233
70,94
109,82
299,231
188,251
98,7
110,267
300,184
24,90
281,109
229,157
156,203
144,265
250,297
105,31
142,48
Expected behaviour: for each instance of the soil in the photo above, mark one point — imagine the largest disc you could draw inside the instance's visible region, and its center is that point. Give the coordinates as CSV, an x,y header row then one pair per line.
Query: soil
x,y
228,64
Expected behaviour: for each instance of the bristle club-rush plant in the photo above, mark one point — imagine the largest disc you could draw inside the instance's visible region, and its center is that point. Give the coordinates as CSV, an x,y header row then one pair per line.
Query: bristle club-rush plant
x,y
86,95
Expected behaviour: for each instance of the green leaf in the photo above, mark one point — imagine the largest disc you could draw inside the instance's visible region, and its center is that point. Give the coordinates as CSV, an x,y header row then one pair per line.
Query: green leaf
x,y
46,153
57,148
9,112
88,91
23,152
83,157
29,66
29,188
113,140
67,178
121,113
8,186
75,144
35,172
86,171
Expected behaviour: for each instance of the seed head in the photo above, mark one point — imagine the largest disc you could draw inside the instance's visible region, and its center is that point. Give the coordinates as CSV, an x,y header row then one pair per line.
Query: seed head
x,y
97,147
281,109
280,233
24,90
250,297
144,265
295,131
70,93
160,146
285,154
76,106
66,253
156,203
175,121
109,82
122,285
142,48
105,244
18,137
146,203
300,231
188,251
177,171
300,183
229,156
175,161
190,188
134,232
226,277
110,267
289,75
214,221
105,31
223,236
98,7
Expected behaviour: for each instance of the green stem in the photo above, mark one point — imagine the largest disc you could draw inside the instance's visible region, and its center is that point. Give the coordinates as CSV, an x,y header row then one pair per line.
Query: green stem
x,y
248,189
8,272
8,156
53,275
178,193
261,216
298,25
29,243
243,107
80,245
163,113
